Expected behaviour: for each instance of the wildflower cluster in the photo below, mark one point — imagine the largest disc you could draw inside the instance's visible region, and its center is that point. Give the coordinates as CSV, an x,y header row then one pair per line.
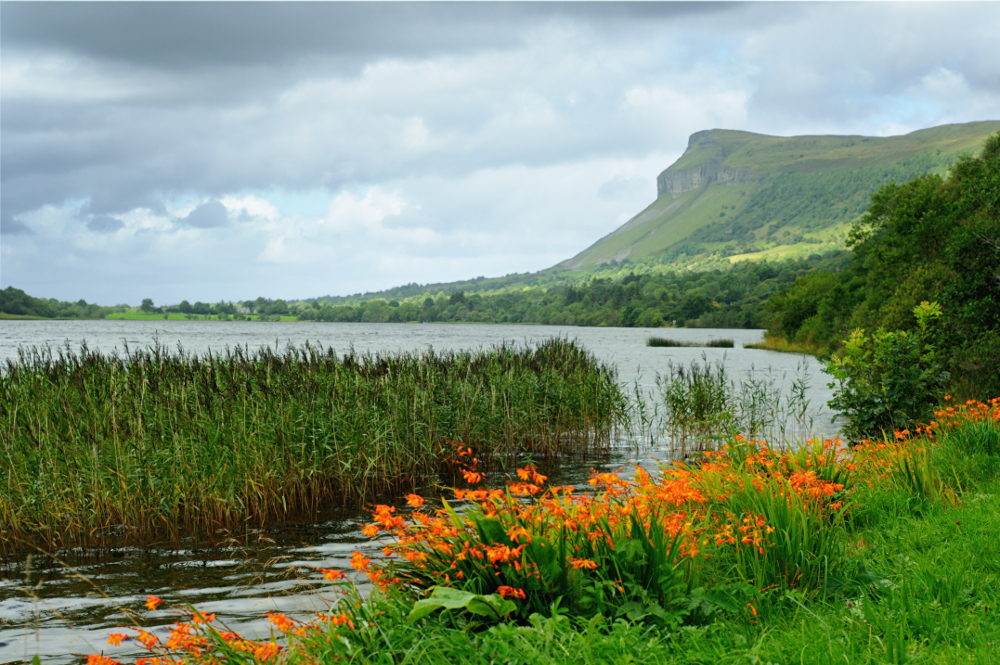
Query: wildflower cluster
x,y
604,547
199,638
972,410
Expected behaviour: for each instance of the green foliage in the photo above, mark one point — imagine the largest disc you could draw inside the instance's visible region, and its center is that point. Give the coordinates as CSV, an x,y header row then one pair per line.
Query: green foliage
x,y
17,303
696,401
716,299
445,598
713,343
928,239
889,380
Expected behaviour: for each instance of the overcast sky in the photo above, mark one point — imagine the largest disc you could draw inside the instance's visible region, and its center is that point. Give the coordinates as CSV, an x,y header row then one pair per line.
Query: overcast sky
x,y
230,150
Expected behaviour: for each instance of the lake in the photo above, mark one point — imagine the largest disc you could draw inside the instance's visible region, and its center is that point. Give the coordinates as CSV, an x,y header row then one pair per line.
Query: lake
x,y
55,611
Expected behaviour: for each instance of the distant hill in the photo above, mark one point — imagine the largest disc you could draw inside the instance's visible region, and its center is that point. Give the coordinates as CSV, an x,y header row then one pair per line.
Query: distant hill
x,y
737,195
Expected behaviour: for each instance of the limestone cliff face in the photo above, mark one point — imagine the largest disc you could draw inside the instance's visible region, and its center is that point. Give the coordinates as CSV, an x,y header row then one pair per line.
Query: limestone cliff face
x,y
675,181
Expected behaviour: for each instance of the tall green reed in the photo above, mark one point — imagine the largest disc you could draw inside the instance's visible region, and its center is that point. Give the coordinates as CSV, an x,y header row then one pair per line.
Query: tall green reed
x,y
703,407
154,443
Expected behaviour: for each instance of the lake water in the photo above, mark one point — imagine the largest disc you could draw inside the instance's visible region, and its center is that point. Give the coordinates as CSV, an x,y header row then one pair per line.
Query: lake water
x,y
55,611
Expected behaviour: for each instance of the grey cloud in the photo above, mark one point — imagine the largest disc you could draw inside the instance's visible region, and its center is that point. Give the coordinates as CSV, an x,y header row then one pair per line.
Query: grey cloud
x,y
152,103
12,227
170,34
104,224
207,216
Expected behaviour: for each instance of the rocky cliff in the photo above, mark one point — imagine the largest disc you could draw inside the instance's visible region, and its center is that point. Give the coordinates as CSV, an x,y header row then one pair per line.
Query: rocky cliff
x,y
678,178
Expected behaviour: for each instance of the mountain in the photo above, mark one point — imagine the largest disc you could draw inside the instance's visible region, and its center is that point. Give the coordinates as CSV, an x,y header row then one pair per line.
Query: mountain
x,y
737,195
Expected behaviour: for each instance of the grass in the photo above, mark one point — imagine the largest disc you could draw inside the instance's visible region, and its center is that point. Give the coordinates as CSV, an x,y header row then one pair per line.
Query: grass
x,y
905,574
782,345
699,406
155,443
712,343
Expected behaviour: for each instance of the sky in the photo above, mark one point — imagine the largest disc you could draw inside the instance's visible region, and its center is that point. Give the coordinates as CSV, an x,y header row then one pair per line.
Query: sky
x,y
225,151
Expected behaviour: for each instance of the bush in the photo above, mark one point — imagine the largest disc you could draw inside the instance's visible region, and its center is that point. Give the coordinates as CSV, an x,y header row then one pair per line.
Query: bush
x,y
889,380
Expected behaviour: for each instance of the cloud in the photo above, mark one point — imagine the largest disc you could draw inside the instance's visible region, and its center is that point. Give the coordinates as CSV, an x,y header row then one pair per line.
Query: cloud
x,y
104,224
228,150
208,215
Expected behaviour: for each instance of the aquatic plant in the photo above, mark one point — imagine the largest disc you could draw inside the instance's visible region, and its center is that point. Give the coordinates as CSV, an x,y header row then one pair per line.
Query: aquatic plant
x,y
158,444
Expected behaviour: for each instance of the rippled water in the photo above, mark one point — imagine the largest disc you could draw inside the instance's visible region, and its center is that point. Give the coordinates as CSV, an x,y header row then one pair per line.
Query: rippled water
x,y
55,610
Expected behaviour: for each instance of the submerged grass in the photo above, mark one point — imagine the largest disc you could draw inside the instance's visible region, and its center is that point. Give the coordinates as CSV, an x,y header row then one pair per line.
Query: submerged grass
x,y
699,406
160,443
712,343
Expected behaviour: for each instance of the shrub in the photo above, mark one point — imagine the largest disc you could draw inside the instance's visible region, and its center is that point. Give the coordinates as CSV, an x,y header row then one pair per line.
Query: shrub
x,y
889,380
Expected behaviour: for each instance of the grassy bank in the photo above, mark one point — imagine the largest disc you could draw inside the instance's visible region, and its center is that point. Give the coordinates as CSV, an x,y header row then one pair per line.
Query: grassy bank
x,y
778,343
882,554
165,443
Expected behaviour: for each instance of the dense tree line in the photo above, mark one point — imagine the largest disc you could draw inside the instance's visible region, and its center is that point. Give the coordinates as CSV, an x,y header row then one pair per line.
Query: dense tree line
x,y
18,303
724,299
929,239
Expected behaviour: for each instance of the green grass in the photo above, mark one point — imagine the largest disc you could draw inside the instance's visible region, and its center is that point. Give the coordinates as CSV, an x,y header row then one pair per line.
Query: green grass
x,y
908,573
926,591
160,443
780,344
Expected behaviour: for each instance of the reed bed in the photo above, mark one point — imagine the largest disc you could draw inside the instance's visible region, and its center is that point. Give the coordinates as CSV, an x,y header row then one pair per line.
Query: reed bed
x,y
154,443
699,406
712,343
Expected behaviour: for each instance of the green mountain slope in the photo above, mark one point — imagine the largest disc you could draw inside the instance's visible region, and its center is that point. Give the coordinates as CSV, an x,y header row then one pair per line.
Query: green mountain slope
x,y
736,195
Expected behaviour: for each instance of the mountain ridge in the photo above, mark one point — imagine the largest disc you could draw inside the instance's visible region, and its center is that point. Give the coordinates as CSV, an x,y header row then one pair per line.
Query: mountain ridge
x,y
735,195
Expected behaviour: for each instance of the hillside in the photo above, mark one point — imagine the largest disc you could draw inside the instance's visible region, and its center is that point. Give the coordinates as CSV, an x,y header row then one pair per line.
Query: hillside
x,y
737,195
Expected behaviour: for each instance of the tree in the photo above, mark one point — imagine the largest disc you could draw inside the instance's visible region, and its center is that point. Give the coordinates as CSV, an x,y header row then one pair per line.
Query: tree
x,y
147,305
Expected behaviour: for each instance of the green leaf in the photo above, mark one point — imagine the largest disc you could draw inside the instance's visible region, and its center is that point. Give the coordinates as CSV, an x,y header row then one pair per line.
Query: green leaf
x,y
446,598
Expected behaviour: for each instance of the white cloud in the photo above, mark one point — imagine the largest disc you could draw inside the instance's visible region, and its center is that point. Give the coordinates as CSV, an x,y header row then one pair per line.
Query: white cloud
x,y
496,139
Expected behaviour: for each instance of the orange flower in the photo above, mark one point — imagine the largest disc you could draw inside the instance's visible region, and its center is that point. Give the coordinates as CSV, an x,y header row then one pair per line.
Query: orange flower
x,y
282,622
115,639
95,659
511,592
152,602
332,575
583,563
266,651
359,561
414,500
471,477
370,530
